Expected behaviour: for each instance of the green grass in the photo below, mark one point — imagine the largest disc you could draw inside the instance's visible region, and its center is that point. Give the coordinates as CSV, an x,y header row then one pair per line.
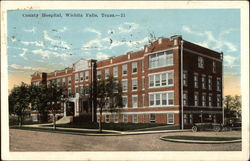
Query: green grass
x,y
202,138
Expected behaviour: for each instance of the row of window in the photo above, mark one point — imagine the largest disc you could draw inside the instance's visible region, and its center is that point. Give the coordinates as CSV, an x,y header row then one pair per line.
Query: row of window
x,y
205,83
202,66
170,118
206,100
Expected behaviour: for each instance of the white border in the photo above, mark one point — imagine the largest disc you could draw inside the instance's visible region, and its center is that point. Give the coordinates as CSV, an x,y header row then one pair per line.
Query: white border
x,y
220,155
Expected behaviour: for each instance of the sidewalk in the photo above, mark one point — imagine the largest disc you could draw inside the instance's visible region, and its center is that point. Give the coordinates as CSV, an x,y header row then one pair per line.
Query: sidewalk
x,y
94,132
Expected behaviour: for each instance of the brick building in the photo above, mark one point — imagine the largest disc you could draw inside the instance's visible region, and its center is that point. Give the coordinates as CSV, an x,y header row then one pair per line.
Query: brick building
x,y
170,81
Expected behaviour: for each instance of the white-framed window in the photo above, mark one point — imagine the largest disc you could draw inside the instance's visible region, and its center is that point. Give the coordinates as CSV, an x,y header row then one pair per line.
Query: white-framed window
x,y
134,84
170,118
107,118
134,67
142,66
116,118
152,118
76,89
134,101
107,73
125,118
142,83
69,91
81,90
161,59
143,100
203,99
86,89
200,62
135,119
190,118
161,99
115,71
86,75
185,98
76,77
185,78
218,84
69,80
81,77
99,75
125,101
210,100
196,99
63,81
218,100
185,119
214,67
116,84
203,81
210,82
196,82
161,79
124,85
58,82
124,69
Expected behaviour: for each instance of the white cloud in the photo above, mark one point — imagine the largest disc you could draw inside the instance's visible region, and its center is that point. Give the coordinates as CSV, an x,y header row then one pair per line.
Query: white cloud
x,y
95,44
55,43
36,43
16,66
30,30
63,29
93,31
46,54
128,43
24,52
229,60
101,56
128,27
211,41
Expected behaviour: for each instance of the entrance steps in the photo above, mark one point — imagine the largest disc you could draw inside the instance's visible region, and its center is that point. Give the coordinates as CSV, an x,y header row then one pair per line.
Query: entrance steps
x,y
65,120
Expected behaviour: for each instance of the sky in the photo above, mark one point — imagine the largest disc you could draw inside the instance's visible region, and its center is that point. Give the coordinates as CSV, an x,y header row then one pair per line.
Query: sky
x,y
50,43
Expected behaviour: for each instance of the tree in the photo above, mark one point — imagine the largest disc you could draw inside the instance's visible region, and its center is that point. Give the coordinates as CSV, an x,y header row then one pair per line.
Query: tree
x,y
232,105
39,99
109,97
55,95
19,100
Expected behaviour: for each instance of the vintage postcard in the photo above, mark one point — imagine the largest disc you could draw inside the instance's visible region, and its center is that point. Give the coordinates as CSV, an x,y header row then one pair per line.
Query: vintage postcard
x,y
125,80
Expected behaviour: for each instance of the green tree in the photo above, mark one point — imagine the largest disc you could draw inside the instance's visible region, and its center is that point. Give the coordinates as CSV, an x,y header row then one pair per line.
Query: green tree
x,y
109,97
232,104
19,100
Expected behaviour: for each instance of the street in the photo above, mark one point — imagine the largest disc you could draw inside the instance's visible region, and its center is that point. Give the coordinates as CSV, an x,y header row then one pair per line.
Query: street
x,y
25,140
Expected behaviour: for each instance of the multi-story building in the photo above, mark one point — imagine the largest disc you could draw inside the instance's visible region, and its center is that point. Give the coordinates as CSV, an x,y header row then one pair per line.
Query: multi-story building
x,y
170,81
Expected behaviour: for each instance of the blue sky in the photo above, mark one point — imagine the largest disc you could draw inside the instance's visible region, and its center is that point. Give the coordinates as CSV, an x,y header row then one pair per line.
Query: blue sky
x,y
47,44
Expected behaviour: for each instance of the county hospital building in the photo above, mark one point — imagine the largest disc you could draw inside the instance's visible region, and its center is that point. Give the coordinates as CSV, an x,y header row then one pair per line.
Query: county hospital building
x,y
170,81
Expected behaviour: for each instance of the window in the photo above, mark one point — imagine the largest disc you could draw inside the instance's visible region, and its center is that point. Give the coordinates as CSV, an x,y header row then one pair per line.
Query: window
x,y
200,62
134,67
203,100
161,59
218,100
190,118
142,83
106,73
76,89
58,82
69,91
134,84
86,75
142,66
86,89
99,75
143,100
124,69
69,80
210,82
125,118
125,101
214,67
76,77
81,76
135,119
152,118
218,84
196,99
107,102
210,100
116,118
115,89
124,85
161,80
185,98
81,91
134,101
63,81
170,118
115,71
107,118
161,99
196,85
185,78
203,81
185,118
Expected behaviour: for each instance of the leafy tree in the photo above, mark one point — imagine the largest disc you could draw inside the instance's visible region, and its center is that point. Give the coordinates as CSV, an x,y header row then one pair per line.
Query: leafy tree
x,y
232,104
19,100
109,97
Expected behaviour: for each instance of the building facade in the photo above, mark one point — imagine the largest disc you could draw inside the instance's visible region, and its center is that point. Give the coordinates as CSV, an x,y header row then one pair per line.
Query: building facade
x,y
170,81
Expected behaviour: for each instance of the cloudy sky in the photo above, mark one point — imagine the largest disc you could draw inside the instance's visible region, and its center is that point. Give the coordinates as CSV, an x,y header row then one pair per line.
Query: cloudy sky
x,y
50,43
